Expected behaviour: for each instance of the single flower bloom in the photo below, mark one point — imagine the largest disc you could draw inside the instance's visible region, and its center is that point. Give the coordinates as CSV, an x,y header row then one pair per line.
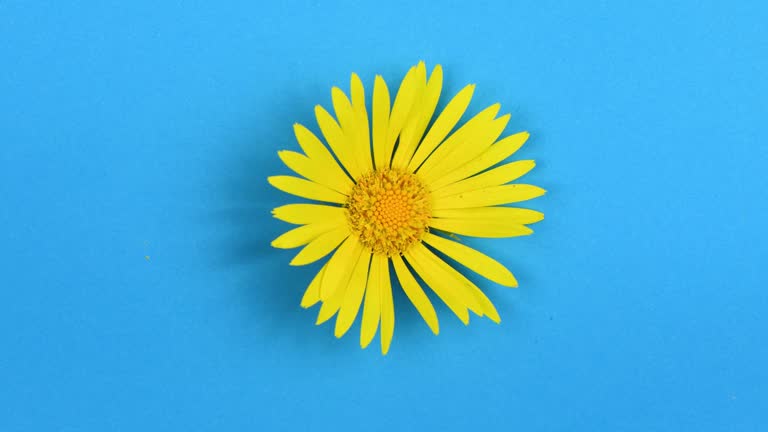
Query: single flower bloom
x,y
397,193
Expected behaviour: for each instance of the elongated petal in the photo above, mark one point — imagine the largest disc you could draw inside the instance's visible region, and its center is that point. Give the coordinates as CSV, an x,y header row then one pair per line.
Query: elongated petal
x,y
484,229
475,298
467,149
472,259
490,157
330,305
353,296
343,108
304,234
306,189
414,132
340,267
513,215
312,294
401,108
471,131
301,214
315,172
415,294
447,294
336,278
319,154
387,305
407,143
490,196
372,305
337,141
443,125
448,280
321,246
485,305
362,131
495,177
352,125
381,153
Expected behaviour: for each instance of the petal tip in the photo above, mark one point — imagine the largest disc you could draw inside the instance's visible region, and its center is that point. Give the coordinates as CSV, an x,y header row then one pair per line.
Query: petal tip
x,y
509,281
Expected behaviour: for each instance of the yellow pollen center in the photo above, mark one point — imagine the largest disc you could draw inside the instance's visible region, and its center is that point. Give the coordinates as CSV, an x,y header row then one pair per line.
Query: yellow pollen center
x,y
389,210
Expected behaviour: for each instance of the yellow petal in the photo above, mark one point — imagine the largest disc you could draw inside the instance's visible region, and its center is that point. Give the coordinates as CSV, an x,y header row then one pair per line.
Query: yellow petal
x,y
343,108
447,293
407,143
415,132
490,157
340,267
331,305
353,296
476,228
512,215
495,177
371,307
489,196
489,309
304,234
468,149
402,107
442,126
312,294
321,246
387,306
336,278
315,172
448,279
381,152
362,137
472,259
485,306
337,141
306,189
471,131
319,153
301,214
351,127
415,294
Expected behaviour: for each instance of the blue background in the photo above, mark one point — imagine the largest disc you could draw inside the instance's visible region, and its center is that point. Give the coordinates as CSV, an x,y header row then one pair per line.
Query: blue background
x,y
147,129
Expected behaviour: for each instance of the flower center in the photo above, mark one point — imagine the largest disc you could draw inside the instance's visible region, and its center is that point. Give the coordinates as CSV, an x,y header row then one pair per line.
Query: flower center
x,y
389,210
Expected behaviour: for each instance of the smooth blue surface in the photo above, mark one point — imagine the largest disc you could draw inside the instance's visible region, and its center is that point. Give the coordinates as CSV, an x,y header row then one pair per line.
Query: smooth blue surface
x,y
138,290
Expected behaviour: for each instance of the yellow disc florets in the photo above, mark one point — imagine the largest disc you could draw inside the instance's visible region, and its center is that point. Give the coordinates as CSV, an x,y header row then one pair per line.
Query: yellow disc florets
x,y
389,210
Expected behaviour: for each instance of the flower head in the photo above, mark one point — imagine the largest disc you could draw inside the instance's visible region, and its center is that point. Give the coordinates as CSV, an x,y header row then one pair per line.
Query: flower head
x,y
394,190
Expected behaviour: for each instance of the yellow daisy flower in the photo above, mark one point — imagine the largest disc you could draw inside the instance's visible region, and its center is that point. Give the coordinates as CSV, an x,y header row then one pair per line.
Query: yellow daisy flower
x,y
395,194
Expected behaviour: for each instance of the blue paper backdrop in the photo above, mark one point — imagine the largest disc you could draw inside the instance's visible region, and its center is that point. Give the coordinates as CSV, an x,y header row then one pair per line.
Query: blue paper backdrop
x,y
138,290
